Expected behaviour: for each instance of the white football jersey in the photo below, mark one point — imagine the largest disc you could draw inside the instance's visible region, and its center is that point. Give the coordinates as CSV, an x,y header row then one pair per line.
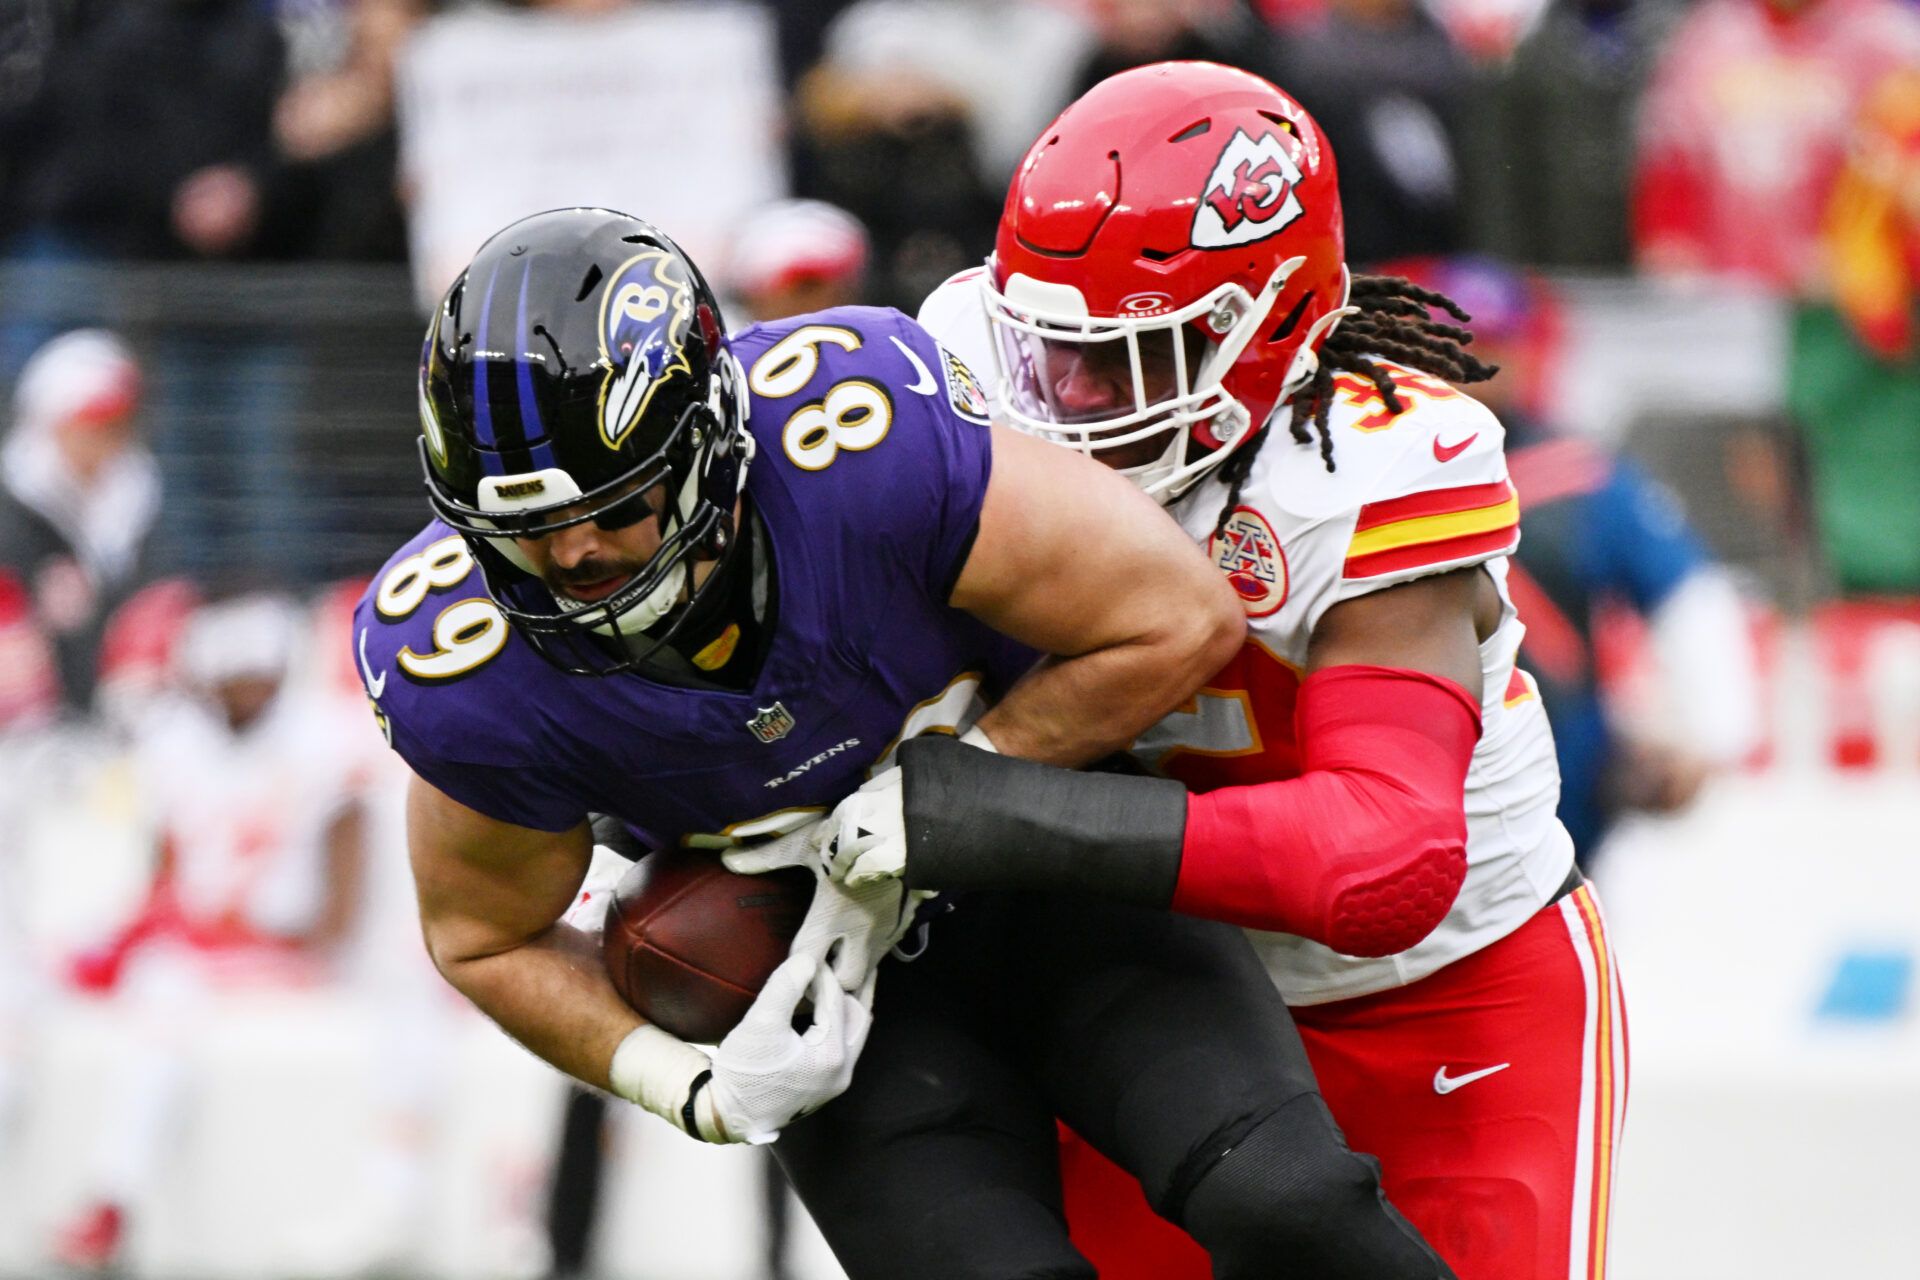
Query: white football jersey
x,y
246,817
1421,492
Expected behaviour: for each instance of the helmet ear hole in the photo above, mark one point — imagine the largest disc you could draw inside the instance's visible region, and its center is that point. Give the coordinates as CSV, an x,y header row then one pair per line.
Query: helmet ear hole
x,y
1285,328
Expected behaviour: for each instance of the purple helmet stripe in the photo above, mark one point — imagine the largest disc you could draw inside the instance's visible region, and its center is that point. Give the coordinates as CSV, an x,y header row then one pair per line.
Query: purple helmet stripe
x,y
531,427
482,410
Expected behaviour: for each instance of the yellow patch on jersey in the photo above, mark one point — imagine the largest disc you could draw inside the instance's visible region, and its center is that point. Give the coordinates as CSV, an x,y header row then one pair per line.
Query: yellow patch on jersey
x,y
717,654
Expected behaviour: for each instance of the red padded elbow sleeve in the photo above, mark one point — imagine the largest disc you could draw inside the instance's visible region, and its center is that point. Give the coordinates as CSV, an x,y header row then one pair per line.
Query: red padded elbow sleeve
x,y
1366,849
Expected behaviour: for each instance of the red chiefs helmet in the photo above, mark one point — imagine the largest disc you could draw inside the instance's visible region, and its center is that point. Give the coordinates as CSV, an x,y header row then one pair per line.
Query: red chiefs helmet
x,y
1170,258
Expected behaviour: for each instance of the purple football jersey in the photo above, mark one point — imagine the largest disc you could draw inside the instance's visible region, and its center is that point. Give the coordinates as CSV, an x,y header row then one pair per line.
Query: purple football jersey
x,y
869,515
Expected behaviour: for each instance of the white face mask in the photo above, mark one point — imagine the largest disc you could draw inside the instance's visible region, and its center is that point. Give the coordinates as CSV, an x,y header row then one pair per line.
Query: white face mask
x,y
1040,329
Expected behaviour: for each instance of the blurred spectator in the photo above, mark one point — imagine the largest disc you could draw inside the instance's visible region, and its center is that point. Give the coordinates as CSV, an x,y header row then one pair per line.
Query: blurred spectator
x,y
149,136
796,256
250,790
334,128
78,497
1872,228
29,29
801,26
1005,62
1743,131
1546,145
1383,80
916,116
1132,33
161,130
1488,31
1598,534
1854,376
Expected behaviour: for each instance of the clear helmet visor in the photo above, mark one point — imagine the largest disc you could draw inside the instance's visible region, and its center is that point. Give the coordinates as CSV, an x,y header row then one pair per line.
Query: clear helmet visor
x,y
1127,391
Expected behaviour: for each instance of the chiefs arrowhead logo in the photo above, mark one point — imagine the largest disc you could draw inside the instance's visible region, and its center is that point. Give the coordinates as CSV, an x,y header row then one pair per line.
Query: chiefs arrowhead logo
x,y
1250,194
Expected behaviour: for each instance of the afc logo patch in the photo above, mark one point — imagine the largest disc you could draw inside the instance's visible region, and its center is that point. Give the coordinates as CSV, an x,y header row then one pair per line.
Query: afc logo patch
x,y
770,724
1250,193
965,392
1251,557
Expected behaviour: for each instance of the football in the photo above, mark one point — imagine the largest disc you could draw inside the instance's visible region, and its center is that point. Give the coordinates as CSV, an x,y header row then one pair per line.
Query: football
x,y
689,944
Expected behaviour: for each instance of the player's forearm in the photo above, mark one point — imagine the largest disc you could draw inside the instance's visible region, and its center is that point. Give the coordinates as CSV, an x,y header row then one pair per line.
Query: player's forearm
x,y
1069,711
1364,851
551,994
1073,561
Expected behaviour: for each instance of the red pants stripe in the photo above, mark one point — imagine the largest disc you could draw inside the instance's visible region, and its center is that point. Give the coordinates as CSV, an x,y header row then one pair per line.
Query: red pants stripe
x,y
1492,1092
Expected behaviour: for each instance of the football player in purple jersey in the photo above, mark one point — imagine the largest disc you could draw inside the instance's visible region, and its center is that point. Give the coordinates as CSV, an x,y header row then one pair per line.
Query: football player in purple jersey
x,y
707,584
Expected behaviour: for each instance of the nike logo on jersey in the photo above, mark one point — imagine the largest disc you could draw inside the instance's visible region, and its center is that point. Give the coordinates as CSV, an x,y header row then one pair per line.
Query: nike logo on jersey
x,y
375,686
925,383
1448,452
1444,1083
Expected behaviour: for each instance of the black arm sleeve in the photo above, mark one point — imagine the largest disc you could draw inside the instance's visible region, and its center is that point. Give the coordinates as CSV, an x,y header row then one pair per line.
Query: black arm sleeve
x,y
976,820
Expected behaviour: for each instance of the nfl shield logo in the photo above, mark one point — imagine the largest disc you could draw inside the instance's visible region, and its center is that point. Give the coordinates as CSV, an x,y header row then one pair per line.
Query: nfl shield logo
x,y
770,724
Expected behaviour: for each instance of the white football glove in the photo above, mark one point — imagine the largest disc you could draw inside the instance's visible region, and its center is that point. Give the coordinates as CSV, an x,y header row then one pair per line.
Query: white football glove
x,y
766,1074
866,837
867,833
850,929
797,848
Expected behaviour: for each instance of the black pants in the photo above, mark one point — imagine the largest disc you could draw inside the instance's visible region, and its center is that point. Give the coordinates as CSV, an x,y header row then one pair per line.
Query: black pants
x,y
1158,1038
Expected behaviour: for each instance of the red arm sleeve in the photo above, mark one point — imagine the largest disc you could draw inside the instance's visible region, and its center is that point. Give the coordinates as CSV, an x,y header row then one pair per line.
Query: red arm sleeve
x,y
1365,851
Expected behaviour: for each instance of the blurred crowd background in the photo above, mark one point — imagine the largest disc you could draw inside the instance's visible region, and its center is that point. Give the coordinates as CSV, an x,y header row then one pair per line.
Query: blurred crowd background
x,y
1689,231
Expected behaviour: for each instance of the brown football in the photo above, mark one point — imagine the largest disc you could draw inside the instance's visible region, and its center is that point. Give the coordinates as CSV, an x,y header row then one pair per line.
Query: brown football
x,y
689,944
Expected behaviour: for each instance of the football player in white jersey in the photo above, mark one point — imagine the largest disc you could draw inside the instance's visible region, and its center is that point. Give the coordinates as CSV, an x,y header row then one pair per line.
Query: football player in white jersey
x,y
1369,786
253,794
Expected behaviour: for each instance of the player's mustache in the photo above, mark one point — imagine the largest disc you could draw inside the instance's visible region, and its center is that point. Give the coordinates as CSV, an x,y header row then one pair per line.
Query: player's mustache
x,y
592,570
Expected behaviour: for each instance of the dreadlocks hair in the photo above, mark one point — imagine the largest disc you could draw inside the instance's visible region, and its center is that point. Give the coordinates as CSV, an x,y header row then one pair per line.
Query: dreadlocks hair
x,y
1393,321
